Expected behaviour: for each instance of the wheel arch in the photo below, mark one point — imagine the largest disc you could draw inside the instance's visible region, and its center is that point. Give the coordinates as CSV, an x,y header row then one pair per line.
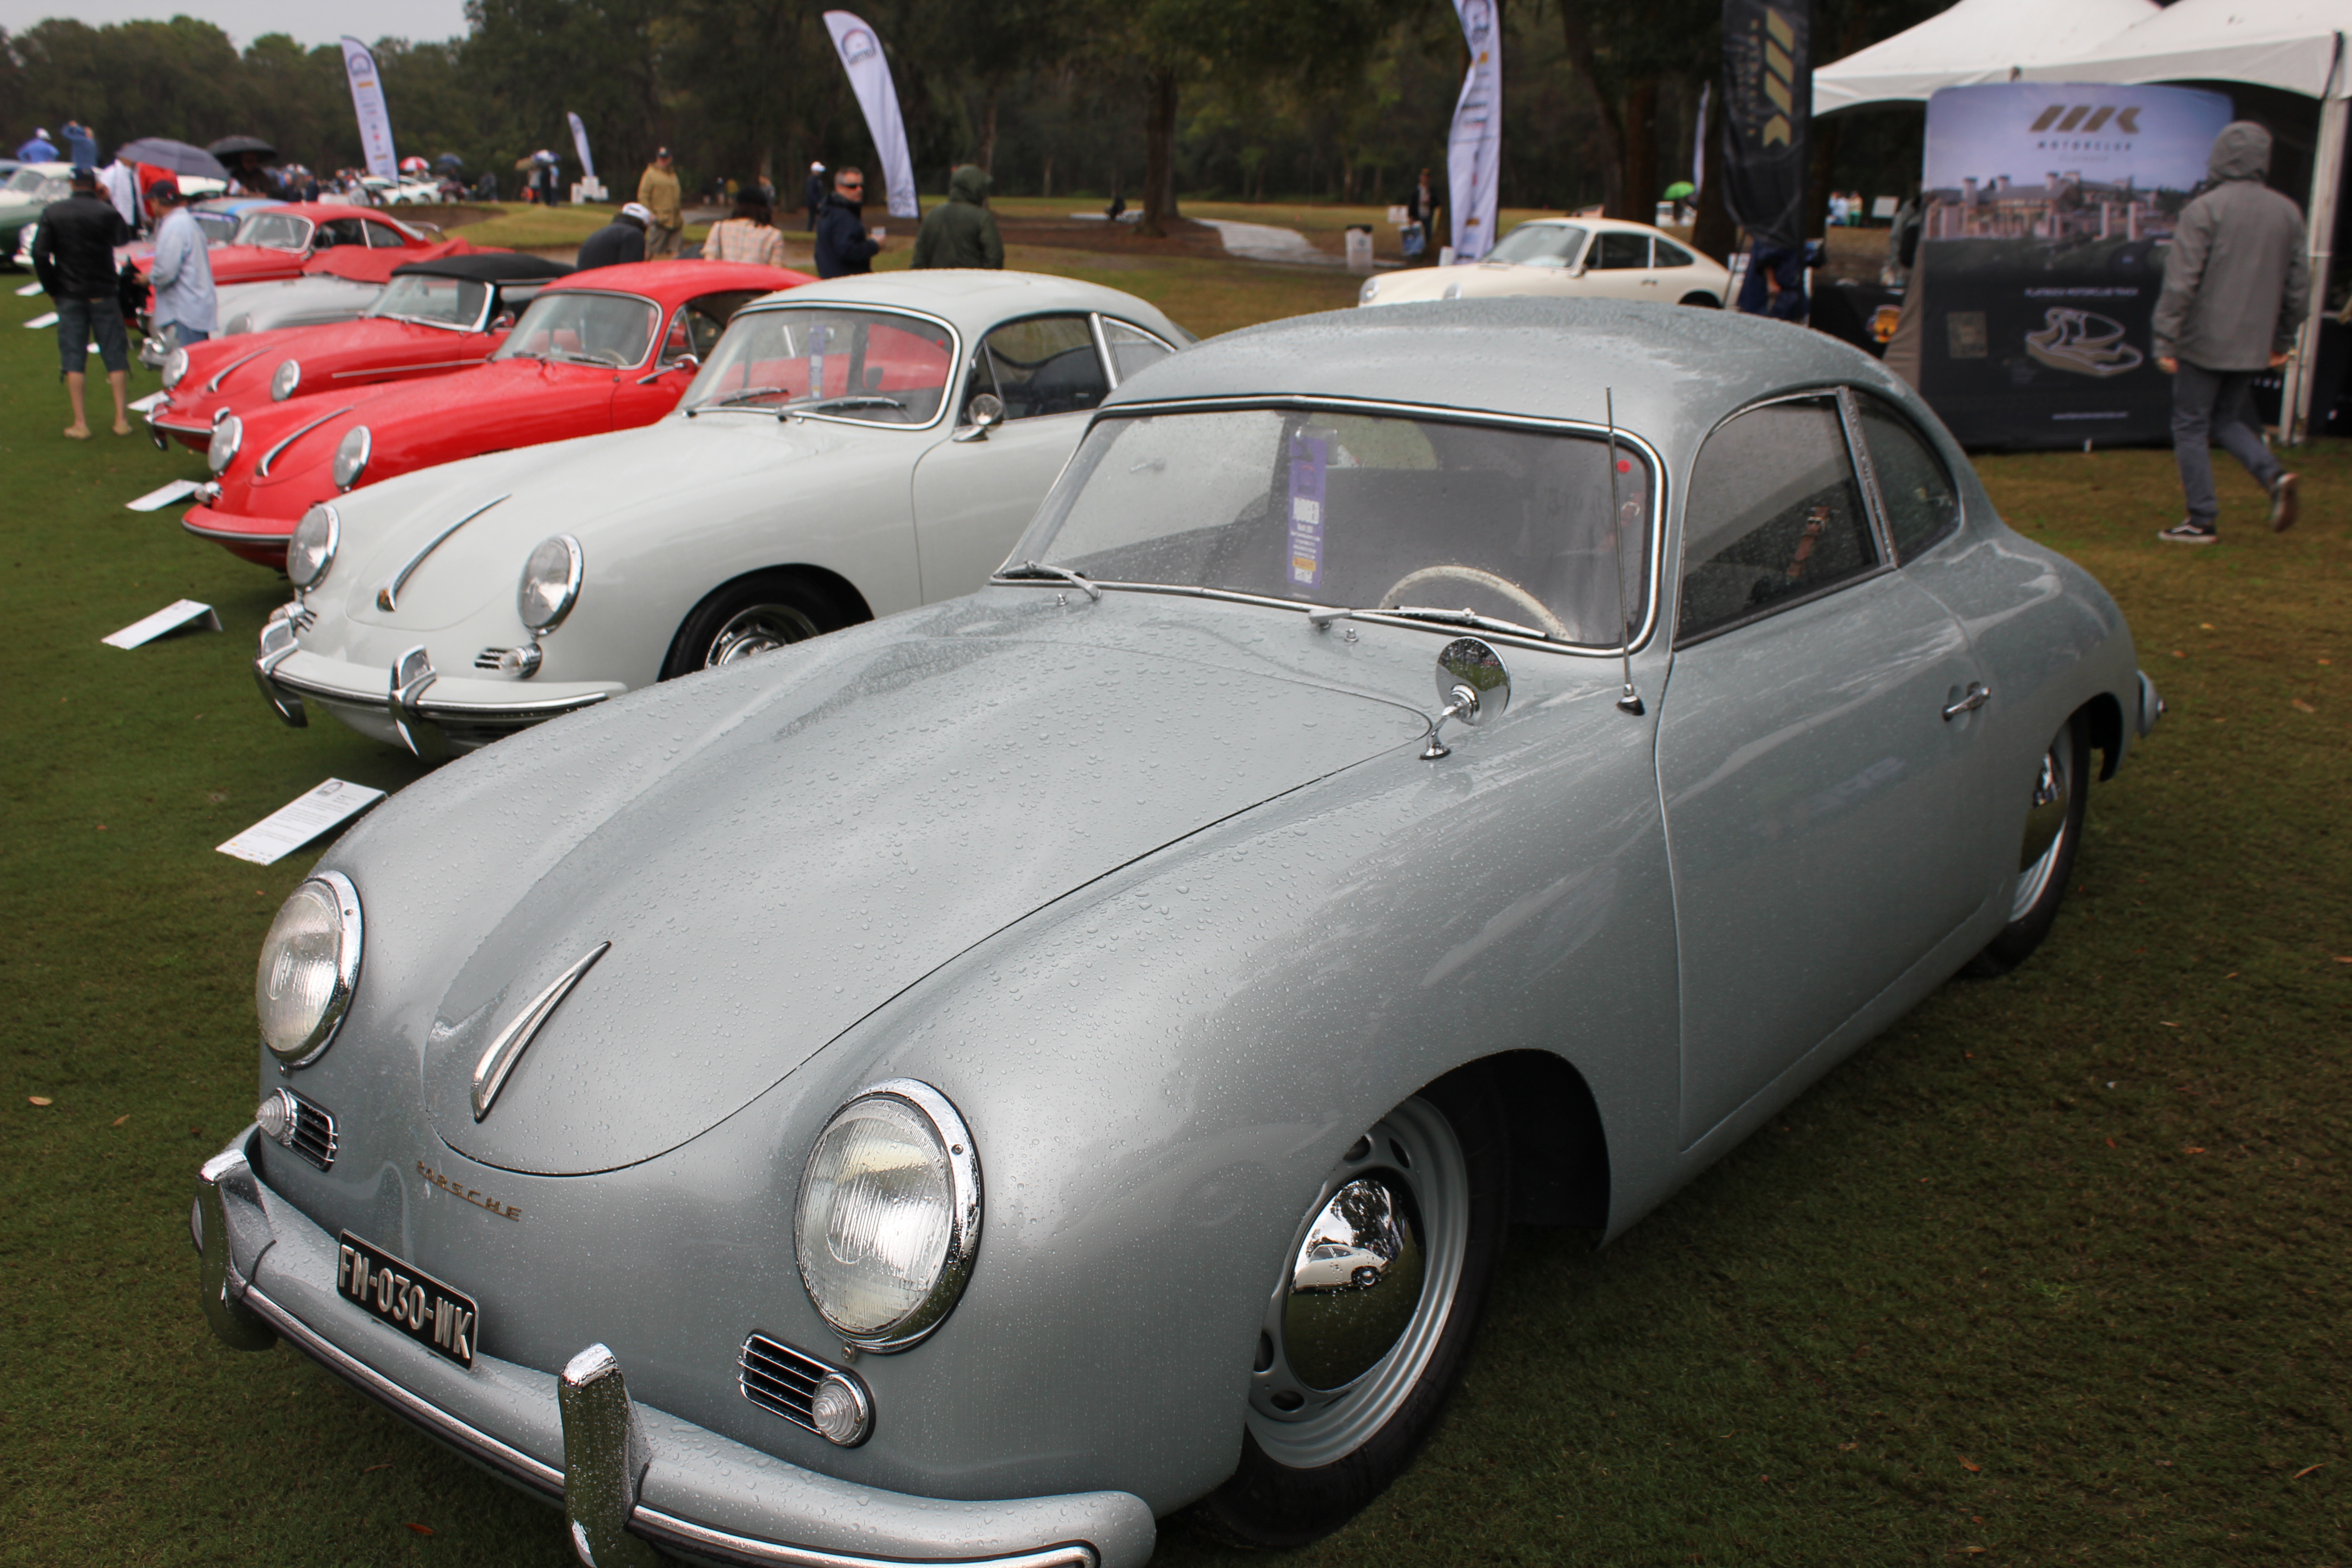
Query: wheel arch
x,y
1560,1150
840,589
1701,298
2103,716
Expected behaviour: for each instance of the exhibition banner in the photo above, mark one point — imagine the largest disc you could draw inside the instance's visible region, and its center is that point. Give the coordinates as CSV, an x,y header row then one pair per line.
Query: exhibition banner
x,y
367,102
869,78
2048,208
580,145
1768,95
1474,152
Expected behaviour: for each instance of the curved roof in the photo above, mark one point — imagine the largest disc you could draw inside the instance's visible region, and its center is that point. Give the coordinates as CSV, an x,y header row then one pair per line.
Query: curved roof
x,y
972,299
488,267
1974,41
2293,44
683,277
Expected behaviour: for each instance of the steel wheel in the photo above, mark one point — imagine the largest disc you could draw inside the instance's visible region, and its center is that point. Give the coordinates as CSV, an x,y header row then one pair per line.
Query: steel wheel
x,y
2046,823
761,628
757,614
2046,850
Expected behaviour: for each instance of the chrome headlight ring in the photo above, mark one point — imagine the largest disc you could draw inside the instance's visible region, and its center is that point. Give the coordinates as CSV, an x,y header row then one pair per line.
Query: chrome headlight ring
x,y
551,584
324,910
286,378
1369,292
311,549
351,454
856,1194
175,368
228,435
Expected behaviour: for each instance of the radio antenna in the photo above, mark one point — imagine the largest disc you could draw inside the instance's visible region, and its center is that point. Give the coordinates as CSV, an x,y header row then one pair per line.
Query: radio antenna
x,y
1628,700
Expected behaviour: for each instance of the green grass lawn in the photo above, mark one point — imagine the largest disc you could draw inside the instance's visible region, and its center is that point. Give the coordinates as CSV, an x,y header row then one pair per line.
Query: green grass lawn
x,y
2052,1272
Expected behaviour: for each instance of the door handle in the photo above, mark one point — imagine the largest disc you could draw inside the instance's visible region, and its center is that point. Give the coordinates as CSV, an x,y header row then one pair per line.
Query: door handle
x,y
1974,699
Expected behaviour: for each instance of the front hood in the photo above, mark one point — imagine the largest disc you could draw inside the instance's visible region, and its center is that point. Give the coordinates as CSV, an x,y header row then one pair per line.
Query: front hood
x,y
244,263
775,850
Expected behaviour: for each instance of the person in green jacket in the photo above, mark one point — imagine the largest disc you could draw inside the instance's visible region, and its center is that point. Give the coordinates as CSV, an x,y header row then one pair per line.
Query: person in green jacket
x,y
961,232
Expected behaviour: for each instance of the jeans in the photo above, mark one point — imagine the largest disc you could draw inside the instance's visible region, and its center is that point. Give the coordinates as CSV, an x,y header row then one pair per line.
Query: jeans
x,y
183,335
81,321
2210,405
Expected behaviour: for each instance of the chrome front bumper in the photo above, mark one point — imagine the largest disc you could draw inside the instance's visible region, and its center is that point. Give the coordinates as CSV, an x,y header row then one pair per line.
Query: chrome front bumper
x,y
624,1473
410,704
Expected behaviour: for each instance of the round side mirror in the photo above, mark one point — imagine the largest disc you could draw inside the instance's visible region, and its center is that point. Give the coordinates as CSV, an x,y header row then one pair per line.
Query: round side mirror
x,y
985,410
503,321
1470,674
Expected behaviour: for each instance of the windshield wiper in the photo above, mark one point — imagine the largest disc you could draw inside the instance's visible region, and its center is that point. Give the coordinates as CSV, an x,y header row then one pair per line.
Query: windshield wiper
x,y
1321,619
1039,569
848,400
745,396
602,362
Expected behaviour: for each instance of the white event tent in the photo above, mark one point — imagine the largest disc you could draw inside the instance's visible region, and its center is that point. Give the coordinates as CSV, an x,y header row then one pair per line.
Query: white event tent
x,y
1973,41
2297,45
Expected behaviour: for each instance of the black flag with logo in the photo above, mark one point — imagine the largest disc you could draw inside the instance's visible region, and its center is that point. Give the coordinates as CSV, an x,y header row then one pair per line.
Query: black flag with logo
x,y
1768,99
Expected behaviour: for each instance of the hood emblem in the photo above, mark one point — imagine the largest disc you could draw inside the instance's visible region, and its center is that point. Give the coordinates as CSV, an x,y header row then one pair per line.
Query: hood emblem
x,y
490,1072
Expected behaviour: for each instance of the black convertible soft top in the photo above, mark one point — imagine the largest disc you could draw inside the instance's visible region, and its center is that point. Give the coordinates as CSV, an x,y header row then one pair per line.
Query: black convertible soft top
x,y
488,267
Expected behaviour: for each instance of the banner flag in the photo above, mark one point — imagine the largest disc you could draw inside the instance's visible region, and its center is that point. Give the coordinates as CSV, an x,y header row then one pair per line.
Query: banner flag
x,y
1768,95
869,77
367,102
580,145
1474,151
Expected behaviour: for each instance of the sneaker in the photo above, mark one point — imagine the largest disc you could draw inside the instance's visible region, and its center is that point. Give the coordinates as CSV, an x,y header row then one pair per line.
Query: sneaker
x,y
2283,501
2187,532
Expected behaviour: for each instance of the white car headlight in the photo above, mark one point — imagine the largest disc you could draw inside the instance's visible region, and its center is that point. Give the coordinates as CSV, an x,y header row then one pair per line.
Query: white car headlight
x,y
551,583
175,368
352,456
310,967
288,377
888,1222
227,437
1371,288
240,322
311,550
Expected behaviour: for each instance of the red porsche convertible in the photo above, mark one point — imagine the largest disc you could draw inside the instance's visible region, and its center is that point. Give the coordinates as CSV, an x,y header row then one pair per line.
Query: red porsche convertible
x,y
274,242
435,317
610,349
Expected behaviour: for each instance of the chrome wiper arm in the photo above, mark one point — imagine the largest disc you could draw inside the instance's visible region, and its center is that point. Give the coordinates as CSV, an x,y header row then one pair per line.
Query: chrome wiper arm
x,y
1039,569
1321,619
847,399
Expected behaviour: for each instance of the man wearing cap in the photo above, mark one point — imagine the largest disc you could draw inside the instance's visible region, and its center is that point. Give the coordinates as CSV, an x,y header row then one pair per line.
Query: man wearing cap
x,y
658,193
618,242
186,309
73,256
39,149
813,194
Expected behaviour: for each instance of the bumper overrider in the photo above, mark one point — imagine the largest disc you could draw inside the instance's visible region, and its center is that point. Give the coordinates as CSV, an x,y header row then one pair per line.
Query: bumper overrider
x,y
628,1477
410,703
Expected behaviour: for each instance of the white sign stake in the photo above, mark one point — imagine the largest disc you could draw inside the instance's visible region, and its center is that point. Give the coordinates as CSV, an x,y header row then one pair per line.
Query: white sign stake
x,y
147,403
29,291
37,323
170,618
293,826
157,500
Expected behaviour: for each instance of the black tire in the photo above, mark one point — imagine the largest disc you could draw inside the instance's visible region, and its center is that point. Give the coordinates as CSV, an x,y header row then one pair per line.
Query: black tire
x,y
1269,1503
1704,301
752,614
2045,865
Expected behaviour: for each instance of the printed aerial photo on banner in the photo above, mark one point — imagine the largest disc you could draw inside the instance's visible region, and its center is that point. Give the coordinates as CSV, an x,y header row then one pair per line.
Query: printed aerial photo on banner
x,y
2048,208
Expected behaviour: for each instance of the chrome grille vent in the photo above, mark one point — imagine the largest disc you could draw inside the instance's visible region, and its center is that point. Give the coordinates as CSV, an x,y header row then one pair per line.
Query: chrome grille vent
x,y
490,656
778,1378
302,1125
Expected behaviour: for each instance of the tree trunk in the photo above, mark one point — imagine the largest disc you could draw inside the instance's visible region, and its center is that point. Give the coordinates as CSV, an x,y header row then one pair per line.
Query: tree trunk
x,y
1577,34
1159,155
987,132
1048,192
1638,190
1712,231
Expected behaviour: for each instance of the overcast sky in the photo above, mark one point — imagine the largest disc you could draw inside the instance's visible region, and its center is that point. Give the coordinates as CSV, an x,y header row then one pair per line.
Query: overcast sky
x,y
419,21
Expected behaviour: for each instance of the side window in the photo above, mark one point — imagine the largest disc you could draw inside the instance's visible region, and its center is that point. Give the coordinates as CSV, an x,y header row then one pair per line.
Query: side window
x,y
1046,364
341,231
1617,247
701,322
382,237
1670,253
1774,515
1921,504
1130,348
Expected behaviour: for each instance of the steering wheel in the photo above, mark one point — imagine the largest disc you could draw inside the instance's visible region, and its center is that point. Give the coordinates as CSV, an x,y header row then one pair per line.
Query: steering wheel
x,y
1510,590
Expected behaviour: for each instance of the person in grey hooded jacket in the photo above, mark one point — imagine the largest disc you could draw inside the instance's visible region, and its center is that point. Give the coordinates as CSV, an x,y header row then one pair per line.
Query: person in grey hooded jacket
x,y
2237,286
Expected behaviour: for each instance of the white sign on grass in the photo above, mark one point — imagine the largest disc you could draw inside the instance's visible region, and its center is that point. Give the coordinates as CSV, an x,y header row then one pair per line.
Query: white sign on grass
x,y
170,618
49,319
157,500
149,402
293,826
29,291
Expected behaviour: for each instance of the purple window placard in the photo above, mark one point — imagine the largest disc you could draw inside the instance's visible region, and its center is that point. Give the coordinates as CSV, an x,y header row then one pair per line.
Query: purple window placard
x,y
1308,454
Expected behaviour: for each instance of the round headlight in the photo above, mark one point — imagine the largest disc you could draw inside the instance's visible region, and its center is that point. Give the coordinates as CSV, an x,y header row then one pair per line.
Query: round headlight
x,y
228,435
175,368
310,966
551,583
352,456
240,322
1371,286
311,550
888,1222
289,377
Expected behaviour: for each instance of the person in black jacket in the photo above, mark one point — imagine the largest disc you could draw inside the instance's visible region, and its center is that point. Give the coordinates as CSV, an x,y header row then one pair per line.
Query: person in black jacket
x,y
621,240
74,257
842,248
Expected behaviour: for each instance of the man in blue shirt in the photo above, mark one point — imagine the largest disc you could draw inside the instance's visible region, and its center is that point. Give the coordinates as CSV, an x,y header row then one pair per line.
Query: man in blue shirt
x,y
39,150
187,307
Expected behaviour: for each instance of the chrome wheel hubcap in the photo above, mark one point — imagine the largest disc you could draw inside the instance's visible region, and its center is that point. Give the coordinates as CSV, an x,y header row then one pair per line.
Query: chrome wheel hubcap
x,y
763,628
1365,1296
2045,824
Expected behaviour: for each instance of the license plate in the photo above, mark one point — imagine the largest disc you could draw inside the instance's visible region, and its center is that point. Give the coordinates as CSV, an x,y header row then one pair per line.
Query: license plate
x,y
444,1321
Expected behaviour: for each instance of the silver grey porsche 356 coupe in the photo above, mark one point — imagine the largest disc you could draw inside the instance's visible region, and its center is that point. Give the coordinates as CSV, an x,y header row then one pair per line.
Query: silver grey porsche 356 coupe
x,y
965,1087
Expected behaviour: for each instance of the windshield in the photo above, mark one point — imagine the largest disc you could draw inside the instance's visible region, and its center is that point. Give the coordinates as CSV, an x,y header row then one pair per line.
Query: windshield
x,y
1325,508
1540,245
855,364
278,231
218,228
584,328
434,302
26,179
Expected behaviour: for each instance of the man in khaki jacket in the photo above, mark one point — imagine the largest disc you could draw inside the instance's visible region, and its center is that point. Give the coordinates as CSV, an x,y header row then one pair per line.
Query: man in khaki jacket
x,y
658,191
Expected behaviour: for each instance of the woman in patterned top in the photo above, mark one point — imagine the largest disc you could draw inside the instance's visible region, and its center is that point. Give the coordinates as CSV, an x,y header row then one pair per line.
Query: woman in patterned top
x,y
748,236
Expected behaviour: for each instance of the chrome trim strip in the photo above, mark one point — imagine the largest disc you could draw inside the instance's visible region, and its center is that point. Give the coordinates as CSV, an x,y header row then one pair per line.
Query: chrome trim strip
x,y
387,598
657,1526
490,1072
397,369
222,374
261,469
230,534
525,710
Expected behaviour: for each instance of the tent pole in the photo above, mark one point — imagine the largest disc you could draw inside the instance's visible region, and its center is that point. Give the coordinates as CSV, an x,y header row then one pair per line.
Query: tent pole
x,y
2326,178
